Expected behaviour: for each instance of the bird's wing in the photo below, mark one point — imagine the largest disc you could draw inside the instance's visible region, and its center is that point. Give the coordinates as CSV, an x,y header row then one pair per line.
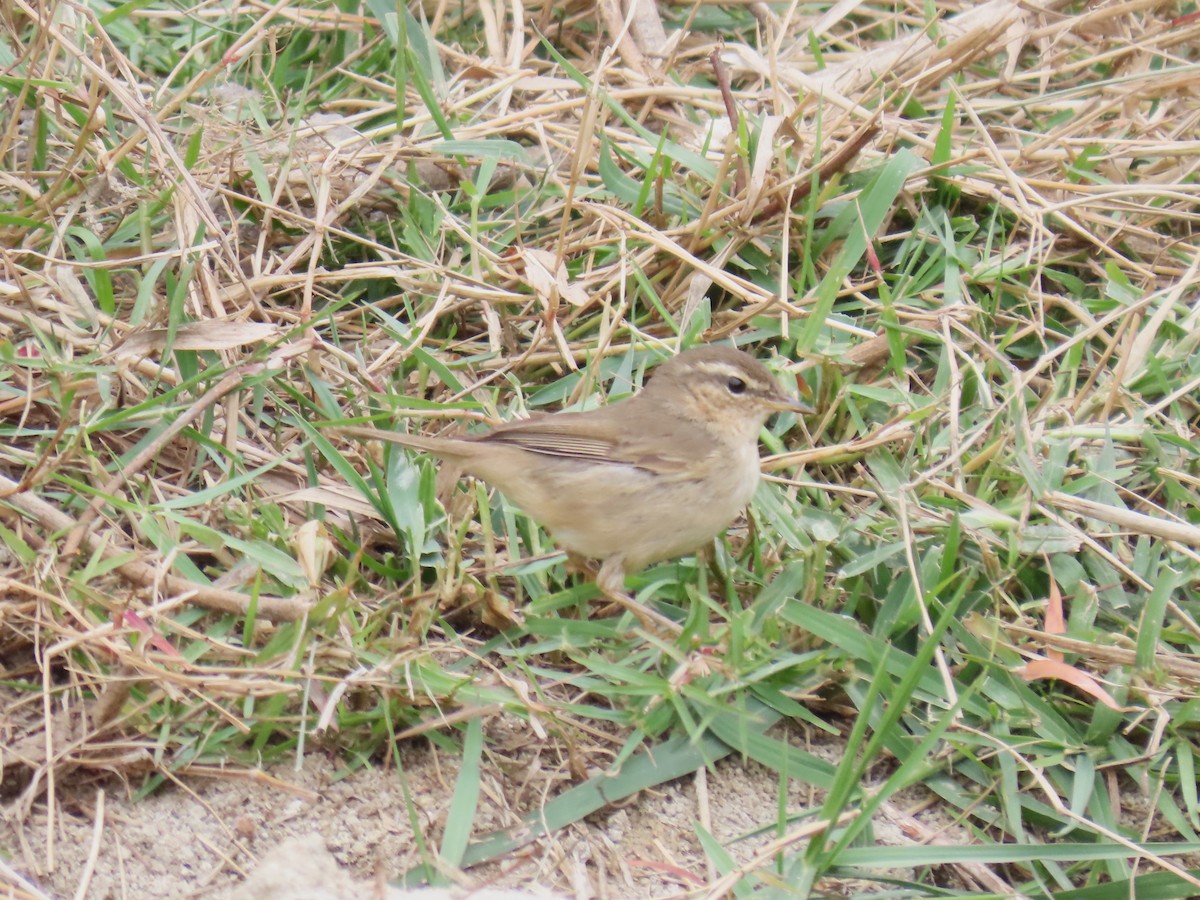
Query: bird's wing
x,y
553,443
592,437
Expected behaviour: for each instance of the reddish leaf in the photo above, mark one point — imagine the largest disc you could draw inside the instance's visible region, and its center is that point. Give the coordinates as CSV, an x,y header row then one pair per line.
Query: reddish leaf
x,y
1055,621
157,641
1054,668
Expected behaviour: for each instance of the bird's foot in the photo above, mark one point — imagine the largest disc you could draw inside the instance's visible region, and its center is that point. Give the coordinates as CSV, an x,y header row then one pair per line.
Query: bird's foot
x,y
611,581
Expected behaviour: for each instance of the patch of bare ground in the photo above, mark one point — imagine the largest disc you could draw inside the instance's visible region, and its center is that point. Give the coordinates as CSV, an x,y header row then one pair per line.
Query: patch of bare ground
x,y
203,836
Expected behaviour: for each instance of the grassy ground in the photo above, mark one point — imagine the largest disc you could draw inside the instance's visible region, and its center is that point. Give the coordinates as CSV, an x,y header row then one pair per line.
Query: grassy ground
x,y
970,237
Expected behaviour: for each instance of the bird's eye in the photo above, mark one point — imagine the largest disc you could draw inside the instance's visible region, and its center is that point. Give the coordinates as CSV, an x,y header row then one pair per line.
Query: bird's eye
x,y
736,385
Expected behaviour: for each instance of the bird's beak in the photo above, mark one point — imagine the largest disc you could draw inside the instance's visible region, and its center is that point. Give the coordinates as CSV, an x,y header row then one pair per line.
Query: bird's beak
x,y
783,403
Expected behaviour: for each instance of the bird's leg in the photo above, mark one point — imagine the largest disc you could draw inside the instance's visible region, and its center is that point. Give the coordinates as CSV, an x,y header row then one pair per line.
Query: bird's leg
x,y
580,565
457,507
611,581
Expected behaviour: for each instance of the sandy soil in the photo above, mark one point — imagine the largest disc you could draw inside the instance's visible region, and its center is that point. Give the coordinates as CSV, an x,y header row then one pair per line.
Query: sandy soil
x,y
318,832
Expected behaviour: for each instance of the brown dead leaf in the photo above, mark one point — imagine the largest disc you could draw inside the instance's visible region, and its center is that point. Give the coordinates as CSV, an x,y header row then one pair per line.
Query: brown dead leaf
x,y
548,280
1053,668
1055,620
209,335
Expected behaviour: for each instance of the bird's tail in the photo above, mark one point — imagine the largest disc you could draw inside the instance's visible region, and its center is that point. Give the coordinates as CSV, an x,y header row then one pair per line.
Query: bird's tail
x,y
446,448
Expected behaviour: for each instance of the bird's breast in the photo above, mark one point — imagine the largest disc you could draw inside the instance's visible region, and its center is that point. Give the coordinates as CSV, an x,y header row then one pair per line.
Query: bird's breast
x,y
600,510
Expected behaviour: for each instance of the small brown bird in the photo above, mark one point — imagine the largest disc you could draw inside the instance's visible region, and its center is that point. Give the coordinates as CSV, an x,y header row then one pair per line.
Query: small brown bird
x,y
648,478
